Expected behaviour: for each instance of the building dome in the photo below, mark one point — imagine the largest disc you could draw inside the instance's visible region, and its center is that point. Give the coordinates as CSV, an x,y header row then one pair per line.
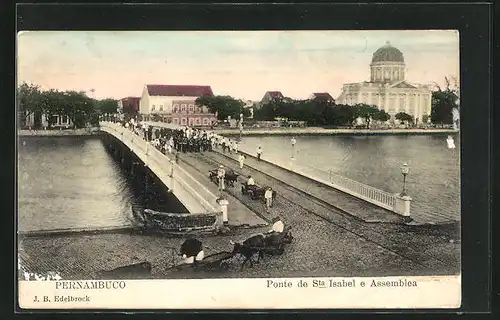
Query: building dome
x,y
388,53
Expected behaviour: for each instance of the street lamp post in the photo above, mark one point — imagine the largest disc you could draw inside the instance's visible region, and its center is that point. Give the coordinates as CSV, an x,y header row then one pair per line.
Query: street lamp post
x,y
293,141
405,170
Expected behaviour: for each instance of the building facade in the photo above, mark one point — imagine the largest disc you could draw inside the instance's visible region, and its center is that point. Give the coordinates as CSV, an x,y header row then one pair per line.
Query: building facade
x,y
388,89
129,103
158,99
323,96
41,121
271,95
176,104
187,113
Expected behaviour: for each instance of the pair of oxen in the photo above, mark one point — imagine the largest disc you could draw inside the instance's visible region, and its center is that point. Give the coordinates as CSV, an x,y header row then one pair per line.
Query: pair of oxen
x,y
272,243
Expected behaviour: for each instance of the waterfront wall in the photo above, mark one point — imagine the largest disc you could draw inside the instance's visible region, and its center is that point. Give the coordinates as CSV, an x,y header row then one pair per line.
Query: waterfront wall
x,y
322,131
59,133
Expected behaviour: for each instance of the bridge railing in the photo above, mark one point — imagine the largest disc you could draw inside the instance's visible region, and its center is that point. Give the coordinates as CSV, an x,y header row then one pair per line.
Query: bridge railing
x,y
179,177
204,195
360,190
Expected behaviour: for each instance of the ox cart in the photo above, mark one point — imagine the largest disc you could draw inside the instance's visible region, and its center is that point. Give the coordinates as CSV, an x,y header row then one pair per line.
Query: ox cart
x,y
255,191
216,261
230,177
272,243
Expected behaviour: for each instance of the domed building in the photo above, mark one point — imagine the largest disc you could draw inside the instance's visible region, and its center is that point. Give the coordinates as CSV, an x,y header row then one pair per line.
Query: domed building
x,y
388,89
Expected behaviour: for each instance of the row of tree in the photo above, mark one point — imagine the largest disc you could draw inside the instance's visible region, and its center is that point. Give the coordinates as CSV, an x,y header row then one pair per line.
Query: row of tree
x,y
323,112
444,101
315,112
77,106
224,106
81,109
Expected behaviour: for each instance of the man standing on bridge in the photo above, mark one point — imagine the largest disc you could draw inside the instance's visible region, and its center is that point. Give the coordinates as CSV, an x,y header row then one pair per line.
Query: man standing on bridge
x,y
259,153
241,160
268,195
221,174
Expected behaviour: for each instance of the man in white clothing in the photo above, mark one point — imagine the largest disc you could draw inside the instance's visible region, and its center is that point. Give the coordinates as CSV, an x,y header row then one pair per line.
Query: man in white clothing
x,y
241,160
278,225
259,153
268,195
250,181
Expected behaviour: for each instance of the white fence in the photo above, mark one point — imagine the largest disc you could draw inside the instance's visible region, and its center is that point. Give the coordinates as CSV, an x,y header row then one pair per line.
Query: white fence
x,y
180,182
359,190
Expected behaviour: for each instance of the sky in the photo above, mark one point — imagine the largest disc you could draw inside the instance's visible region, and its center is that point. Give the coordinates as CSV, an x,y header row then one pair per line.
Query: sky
x,y
242,64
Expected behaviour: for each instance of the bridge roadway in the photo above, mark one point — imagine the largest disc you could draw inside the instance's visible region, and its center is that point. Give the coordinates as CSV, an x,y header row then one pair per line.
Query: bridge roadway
x,y
192,189
362,201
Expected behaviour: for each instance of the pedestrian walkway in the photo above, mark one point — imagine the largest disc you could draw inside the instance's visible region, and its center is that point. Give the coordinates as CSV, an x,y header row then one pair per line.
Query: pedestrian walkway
x,y
346,203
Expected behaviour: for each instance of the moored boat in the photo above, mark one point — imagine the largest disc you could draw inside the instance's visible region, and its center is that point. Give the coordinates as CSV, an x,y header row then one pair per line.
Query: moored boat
x,y
179,223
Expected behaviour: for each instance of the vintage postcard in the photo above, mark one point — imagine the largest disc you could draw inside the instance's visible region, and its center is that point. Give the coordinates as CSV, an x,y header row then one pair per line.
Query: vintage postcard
x,y
238,169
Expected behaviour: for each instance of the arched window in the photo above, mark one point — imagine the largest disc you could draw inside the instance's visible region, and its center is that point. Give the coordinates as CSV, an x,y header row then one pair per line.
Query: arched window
x,y
183,107
176,107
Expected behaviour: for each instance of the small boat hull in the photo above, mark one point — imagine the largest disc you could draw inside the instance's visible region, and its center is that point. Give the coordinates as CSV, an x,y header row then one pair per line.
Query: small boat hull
x,y
178,223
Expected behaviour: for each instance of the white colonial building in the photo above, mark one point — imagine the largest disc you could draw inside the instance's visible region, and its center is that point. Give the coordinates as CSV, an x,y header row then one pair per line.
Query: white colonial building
x,y
41,121
176,104
158,99
388,88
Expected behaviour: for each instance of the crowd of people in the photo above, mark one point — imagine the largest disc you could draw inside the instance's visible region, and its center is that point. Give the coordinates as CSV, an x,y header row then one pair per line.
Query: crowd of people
x,y
183,140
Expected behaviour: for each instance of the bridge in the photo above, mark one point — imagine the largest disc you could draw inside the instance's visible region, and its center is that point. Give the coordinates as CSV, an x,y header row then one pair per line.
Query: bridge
x,y
195,197
354,198
193,190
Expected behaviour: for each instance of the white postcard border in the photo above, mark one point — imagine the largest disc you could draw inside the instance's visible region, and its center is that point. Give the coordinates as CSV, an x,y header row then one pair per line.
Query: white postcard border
x,y
336,293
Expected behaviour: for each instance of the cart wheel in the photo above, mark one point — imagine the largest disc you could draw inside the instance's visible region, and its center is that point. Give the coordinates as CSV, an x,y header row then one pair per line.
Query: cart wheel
x,y
224,265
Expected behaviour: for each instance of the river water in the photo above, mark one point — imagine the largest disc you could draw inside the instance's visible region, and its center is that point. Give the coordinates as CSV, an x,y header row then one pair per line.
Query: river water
x,y
433,181
73,182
